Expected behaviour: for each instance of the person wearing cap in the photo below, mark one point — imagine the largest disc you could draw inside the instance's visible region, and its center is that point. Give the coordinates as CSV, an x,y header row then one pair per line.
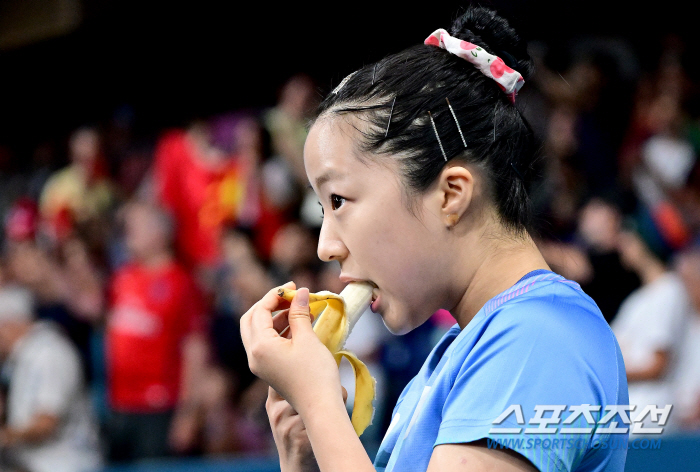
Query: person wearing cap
x,y
49,424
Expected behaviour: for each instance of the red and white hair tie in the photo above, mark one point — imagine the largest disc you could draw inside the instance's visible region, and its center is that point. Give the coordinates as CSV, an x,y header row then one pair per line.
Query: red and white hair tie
x,y
491,66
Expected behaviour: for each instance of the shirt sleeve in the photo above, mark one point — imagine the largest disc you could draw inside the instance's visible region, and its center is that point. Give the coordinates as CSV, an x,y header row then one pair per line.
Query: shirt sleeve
x,y
664,315
546,352
57,378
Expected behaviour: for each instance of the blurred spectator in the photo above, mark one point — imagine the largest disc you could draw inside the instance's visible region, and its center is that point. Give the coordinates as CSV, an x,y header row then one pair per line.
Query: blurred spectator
x,y
198,184
287,123
156,347
81,193
595,263
293,256
657,159
686,382
243,279
49,423
649,324
235,419
206,187
57,292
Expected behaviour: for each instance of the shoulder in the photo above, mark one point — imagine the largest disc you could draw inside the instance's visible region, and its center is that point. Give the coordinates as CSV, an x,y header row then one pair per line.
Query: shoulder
x,y
552,328
47,344
551,311
60,181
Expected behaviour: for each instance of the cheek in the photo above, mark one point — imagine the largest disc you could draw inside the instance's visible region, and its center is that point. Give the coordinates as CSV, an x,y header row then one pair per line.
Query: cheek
x,y
400,255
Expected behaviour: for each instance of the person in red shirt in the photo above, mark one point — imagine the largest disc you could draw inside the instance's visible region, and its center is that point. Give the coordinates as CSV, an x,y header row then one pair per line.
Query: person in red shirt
x,y
201,186
207,187
155,344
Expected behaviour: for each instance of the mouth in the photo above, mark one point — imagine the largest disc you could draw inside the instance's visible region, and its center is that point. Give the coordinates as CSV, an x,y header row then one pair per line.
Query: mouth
x,y
375,298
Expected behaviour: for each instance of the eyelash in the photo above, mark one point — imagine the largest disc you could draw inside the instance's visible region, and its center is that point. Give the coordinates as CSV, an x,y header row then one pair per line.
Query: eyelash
x,y
333,196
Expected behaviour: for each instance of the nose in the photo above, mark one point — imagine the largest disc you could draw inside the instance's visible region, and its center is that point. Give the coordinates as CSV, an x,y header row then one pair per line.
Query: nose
x,y
330,247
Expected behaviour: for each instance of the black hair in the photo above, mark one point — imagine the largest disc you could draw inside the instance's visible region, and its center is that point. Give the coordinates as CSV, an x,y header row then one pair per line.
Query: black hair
x,y
397,92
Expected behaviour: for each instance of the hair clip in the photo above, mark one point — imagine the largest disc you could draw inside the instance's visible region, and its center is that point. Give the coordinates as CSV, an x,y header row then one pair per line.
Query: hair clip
x,y
437,136
459,128
390,114
374,73
342,83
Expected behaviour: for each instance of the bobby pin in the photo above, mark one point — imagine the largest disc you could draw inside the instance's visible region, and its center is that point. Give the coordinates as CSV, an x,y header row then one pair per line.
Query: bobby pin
x,y
437,136
374,74
390,114
459,128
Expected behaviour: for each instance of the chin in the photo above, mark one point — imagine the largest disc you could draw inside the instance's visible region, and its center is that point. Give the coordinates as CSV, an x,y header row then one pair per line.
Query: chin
x,y
395,324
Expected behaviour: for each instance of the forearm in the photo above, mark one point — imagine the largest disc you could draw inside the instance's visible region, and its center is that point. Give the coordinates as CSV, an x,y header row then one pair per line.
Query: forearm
x,y
654,371
194,365
40,429
333,439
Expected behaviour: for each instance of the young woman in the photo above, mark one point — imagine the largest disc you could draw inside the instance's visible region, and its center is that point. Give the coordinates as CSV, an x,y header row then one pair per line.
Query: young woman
x,y
419,163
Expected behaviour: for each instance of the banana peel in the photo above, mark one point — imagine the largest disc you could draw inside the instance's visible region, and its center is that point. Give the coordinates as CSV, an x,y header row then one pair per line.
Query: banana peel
x,y
335,317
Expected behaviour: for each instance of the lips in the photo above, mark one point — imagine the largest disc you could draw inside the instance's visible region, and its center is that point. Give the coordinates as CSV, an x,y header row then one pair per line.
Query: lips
x,y
375,303
375,292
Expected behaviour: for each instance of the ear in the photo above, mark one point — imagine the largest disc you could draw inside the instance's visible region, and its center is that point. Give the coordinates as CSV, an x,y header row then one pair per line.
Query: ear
x,y
456,189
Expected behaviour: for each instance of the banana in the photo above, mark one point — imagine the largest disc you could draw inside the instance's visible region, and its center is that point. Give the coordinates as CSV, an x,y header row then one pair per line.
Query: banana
x,y
339,313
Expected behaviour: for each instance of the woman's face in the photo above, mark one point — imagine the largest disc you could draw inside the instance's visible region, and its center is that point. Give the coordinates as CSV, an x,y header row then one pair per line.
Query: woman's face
x,y
370,232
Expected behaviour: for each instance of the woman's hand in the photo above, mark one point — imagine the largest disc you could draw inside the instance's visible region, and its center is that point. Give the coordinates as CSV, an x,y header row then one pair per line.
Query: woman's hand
x,y
297,365
290,436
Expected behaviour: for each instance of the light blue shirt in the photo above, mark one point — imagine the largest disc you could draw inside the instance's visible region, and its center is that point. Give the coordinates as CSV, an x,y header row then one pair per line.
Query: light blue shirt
x,y
541,342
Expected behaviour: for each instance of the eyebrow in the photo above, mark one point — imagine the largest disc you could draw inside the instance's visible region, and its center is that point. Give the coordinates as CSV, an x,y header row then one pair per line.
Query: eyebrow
x,y
325,177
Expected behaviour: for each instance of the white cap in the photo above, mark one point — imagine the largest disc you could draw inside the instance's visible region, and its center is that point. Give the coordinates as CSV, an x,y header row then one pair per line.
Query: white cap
x,y
16,304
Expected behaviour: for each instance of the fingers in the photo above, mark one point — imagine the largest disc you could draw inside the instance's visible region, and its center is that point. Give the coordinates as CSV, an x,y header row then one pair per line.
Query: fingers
x,y
280,321
277,407
261,311
299,316
345,394
272,395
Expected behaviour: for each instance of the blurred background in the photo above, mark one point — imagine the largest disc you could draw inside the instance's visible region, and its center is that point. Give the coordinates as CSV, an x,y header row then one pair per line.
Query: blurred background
x,y
152,189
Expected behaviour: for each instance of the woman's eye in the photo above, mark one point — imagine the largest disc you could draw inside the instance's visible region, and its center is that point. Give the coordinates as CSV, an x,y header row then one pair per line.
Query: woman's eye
x,y
336,201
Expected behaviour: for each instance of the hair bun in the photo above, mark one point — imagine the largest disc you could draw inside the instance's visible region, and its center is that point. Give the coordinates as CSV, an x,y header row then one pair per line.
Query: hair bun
x,y
484,27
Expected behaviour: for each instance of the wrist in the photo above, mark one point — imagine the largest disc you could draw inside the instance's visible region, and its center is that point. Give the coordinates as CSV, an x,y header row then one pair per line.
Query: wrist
x,y
320,406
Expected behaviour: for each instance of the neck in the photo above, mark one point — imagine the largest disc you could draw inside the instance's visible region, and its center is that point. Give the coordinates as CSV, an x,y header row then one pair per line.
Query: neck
x,y
502,264
156,260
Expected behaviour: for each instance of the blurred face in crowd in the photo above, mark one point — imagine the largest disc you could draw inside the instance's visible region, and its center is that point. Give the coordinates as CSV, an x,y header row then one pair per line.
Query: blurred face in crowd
x,y
248,139
369,230
599,225
297,96
147,231
292,247
84,146
26,263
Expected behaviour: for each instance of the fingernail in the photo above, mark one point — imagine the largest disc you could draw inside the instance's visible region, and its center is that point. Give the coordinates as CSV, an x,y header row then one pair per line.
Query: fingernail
x,y
302,297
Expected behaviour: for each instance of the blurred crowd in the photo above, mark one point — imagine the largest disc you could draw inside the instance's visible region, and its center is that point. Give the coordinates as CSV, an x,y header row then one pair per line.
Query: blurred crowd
x,y
127,261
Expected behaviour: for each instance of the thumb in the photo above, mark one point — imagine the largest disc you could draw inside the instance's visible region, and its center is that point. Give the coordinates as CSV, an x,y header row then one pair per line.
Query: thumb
x,y
299,316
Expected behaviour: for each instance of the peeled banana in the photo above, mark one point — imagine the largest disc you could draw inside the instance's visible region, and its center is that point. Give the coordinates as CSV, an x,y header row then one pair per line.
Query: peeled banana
x,y
338,315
